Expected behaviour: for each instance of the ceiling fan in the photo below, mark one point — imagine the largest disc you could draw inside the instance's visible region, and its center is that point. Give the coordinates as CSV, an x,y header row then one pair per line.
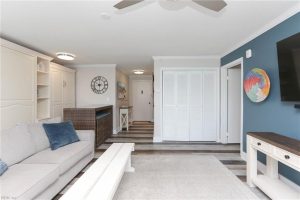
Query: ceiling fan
x,y
215,5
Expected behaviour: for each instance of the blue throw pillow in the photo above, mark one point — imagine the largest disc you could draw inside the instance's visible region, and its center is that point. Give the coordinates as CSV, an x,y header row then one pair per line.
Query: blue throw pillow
x,y
3,167
60,134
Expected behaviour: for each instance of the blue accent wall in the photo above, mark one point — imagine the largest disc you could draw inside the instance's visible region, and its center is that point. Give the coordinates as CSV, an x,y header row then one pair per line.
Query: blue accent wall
x,y
272,114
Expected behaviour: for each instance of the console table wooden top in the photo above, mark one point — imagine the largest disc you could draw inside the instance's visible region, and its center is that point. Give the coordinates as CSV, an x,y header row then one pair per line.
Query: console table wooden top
x,y
283,142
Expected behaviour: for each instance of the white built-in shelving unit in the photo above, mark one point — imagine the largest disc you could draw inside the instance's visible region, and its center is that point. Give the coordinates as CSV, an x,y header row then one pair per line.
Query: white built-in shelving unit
x,y
43,88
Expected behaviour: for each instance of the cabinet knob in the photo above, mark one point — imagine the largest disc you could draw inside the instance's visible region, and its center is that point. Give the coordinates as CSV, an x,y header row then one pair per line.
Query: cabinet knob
x,y
258,143
287,157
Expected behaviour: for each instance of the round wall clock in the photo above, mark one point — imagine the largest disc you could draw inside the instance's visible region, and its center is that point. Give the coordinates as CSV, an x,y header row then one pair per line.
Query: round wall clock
x,y
99,84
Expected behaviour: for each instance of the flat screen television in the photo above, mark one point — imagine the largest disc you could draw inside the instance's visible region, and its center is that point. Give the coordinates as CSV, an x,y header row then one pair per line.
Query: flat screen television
x,y
288,52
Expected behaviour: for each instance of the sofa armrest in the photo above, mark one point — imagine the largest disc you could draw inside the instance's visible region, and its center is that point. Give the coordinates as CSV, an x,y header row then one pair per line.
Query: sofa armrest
x,y
86,135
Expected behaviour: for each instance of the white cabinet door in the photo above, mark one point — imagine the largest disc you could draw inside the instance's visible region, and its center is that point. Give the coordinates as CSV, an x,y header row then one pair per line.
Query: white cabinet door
x,y
68,89
195,105
175,107
56,82
210,105
18,89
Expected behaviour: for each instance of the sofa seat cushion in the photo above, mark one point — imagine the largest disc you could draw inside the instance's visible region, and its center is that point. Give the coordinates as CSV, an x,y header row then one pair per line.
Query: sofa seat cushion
x,y
25,181
66,156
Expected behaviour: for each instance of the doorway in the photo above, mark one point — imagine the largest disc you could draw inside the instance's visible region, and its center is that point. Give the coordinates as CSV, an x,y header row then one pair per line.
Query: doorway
x,y
232,103
142,100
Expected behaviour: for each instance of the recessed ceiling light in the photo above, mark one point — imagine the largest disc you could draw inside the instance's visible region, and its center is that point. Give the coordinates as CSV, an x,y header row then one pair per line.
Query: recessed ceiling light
x,y
138,71
65,56
105,15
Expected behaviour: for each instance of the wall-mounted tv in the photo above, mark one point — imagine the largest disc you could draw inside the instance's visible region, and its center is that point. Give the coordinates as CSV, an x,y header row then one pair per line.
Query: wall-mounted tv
x,y
288,52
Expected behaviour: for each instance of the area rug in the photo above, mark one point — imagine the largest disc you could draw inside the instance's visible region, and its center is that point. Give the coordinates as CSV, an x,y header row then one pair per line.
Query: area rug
x,y
180,177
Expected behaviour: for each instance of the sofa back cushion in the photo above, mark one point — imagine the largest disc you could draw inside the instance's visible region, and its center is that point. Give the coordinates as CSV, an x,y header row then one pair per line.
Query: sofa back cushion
x,y
39,136
16,144
60,134
3,167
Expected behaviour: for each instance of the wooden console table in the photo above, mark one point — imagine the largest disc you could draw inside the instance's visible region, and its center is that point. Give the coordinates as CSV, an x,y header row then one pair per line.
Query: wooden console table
x,y
277,148
96,117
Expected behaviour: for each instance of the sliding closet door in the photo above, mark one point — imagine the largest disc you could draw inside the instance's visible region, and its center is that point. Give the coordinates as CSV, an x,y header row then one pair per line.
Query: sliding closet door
x,y
169,105
190,103
175,108
195,105
210,105
182,123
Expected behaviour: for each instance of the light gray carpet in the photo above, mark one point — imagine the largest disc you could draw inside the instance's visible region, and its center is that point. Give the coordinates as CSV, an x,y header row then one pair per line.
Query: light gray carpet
x,y
184,177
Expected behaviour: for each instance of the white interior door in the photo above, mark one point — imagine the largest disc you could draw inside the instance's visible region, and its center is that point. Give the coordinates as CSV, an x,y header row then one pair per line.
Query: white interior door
x,y
182,112
210,102
175,106
195,105
142,100
169,105
234,105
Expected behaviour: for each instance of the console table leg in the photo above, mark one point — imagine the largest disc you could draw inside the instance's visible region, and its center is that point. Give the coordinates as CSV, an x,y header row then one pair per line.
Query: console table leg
x,y
272,167
251,163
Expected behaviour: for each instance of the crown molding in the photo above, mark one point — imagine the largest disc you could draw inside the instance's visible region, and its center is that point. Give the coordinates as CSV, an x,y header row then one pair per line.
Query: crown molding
x,y
186,57
294,10
93,65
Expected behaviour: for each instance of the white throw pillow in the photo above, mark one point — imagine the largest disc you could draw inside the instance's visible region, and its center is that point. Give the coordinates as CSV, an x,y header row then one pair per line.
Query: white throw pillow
x,y
16,144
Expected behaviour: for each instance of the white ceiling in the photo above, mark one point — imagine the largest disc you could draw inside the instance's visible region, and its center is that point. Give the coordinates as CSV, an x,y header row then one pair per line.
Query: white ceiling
x,y
130,38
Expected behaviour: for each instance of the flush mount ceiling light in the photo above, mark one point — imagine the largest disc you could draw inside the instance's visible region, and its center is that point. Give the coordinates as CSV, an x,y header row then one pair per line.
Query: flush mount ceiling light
x,y
65,56
138,71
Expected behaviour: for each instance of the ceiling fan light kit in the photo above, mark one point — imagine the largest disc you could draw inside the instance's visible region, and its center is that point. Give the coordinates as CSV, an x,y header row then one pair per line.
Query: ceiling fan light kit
x,y
214,5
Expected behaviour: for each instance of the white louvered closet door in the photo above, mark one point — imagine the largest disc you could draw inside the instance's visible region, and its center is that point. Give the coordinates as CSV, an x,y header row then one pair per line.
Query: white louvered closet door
x,y
195,105
210,105
182,112
190,105
175,108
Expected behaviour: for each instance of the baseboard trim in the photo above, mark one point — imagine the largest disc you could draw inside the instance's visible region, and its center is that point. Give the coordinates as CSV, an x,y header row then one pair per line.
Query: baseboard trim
x,y
157,140
244,156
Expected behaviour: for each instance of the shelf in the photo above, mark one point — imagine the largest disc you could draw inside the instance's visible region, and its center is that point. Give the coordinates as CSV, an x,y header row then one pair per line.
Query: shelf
x,y
42,72
40,98
43,117
39,84
275,188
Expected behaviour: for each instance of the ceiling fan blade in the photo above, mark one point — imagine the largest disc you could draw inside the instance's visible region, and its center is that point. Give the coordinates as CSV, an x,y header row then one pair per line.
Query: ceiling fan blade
x,y
215,5
126,3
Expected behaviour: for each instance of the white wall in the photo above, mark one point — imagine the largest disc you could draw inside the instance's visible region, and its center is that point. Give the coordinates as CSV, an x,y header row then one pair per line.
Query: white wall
x,y
85,95
161,63
123,78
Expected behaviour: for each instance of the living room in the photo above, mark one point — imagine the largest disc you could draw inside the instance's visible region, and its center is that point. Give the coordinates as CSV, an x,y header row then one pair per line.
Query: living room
x,y
155,99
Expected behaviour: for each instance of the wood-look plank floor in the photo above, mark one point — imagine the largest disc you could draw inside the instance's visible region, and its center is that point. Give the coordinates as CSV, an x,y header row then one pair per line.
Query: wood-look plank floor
x,y
141,133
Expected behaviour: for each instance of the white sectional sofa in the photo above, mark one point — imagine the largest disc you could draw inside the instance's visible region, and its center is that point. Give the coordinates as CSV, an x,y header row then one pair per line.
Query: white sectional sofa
x,y
34,170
